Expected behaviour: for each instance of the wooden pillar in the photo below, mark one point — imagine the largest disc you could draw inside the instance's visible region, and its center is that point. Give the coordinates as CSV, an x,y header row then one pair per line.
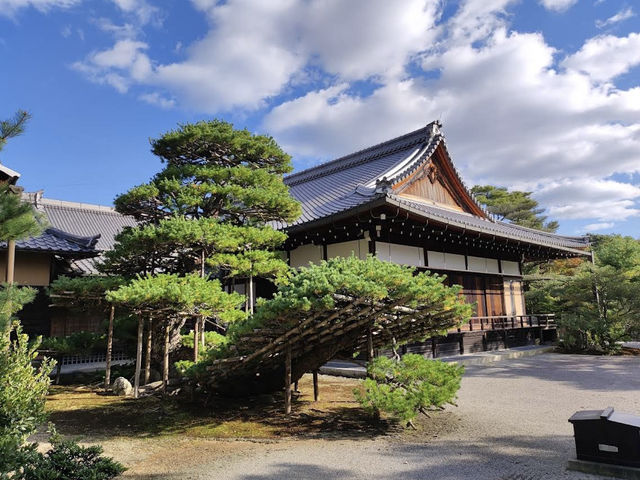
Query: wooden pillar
x,y
196,339
315,386
11,261
136,380
370,352
202,332
287,380
147,358
107,373
165,360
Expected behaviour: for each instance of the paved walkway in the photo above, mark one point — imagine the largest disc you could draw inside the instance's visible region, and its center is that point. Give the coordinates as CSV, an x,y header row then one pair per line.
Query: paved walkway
x,y
510,424
352,369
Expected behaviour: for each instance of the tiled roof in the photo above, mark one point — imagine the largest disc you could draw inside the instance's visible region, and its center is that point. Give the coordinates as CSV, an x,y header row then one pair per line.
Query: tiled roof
x,y
56,241
358,179
85,220
476,224
78,221
338,185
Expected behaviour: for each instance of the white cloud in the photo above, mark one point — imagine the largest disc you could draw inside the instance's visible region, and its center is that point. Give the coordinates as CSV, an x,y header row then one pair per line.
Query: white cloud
x,y
254,50
605,57
594,227
124,31
583,198
157,99
510,118
118,66
10,7
622,15
558,5
516,111
141,9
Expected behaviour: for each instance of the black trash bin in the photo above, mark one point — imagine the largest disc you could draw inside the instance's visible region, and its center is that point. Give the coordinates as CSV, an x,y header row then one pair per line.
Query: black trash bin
x,y
607,436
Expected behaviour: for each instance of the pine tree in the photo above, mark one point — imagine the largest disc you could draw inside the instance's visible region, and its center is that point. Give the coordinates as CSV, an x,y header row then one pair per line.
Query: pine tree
x,y
13,127
515,206
217,194
212,205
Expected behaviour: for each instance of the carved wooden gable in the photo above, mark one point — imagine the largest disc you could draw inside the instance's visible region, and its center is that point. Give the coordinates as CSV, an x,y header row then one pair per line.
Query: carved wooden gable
x,y
437,182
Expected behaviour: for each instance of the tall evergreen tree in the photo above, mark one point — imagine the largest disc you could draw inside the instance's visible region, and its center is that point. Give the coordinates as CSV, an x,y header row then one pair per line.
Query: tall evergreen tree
x,y
18,219
215,198
212,204
515,206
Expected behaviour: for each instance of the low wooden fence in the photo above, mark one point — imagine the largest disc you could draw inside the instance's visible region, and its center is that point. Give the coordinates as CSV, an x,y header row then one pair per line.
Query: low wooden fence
x,y
503,322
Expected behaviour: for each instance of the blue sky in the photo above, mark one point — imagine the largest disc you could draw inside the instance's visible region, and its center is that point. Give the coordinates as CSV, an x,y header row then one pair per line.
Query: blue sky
x,y
536,95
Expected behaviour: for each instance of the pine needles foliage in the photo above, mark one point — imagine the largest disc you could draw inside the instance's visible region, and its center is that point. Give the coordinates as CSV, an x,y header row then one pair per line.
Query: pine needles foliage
x,y
404,388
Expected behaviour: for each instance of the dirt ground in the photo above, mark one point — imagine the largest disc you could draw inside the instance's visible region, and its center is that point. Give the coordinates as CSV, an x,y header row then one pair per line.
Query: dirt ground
x,y
510,424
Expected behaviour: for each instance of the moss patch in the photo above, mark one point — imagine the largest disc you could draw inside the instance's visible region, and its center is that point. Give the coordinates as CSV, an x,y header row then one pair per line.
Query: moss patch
x,y
86,413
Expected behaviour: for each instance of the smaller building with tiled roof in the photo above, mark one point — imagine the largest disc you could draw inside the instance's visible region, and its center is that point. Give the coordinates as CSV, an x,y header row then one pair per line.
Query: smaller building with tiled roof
x,y
72,243
82,220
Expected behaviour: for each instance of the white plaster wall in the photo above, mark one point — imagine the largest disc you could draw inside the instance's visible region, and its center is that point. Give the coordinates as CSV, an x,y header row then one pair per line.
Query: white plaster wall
x,y
510,268
358,248
304,254
401,254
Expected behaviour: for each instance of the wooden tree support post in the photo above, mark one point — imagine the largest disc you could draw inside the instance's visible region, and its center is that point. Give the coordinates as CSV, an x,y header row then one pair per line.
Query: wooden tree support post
x,y
315,386
202,331
147,358
165,360
287,380
11,261
196,340
136,380
107,373
370,353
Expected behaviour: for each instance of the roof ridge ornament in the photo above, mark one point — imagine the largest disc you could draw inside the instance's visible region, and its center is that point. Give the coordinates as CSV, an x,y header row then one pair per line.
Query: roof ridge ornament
x,y
383,185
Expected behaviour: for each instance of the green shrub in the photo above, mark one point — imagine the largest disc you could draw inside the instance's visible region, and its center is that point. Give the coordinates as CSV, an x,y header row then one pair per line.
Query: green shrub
x,y
78,343
66,460
211,340
23,388
409,386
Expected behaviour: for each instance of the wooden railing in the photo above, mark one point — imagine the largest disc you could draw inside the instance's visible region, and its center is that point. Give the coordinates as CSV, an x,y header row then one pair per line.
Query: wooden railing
x,y
502,322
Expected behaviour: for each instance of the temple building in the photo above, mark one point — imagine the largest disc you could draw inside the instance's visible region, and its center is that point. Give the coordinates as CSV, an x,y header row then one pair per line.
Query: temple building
x,y
75,236
404,201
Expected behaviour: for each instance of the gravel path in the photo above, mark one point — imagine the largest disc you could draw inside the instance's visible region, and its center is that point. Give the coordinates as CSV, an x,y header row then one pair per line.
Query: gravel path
x,y
510,424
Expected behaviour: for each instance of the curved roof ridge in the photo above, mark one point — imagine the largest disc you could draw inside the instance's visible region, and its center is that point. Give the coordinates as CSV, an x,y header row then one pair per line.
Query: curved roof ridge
x,y
544,232
87,242
362,156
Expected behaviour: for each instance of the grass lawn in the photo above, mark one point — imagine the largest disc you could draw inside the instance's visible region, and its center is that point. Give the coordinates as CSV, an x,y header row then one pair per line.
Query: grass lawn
x,y
90,414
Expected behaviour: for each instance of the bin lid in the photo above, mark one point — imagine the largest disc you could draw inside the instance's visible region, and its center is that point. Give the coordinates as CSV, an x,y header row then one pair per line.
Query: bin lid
x,y
586,415
625,418
607,414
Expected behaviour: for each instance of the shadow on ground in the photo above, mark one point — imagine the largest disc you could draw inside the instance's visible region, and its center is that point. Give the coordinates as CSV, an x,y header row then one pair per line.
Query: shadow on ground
x,y
82,412
506,458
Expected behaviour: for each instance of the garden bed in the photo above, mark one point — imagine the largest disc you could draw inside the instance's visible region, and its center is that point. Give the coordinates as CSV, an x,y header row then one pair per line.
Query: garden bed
x,y
90,414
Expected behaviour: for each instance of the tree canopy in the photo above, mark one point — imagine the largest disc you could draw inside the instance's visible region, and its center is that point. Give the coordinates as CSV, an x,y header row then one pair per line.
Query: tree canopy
x,y
214,170
515,206
18,219
13,126
325,309
210,205
598,304
190,294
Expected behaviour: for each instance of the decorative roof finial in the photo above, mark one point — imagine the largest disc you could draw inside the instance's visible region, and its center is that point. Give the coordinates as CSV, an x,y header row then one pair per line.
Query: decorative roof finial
x,y
383,185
